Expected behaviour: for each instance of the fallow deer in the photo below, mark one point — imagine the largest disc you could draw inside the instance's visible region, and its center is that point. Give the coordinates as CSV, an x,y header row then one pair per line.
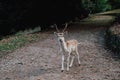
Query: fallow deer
x,y
70,47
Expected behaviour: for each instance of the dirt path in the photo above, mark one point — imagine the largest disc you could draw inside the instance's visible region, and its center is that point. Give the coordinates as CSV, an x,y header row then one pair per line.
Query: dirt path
x,y
42,60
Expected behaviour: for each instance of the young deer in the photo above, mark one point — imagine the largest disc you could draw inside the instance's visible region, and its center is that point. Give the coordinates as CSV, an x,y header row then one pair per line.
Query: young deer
x,y
70,46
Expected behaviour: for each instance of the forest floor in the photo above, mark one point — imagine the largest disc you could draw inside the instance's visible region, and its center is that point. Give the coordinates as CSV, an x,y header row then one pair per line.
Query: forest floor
x,y
42,61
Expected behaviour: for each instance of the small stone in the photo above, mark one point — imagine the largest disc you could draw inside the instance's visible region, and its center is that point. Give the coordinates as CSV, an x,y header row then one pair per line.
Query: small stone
x,y
20,63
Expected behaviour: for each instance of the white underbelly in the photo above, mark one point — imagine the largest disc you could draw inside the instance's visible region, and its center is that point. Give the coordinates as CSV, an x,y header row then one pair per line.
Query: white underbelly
x,y
71,48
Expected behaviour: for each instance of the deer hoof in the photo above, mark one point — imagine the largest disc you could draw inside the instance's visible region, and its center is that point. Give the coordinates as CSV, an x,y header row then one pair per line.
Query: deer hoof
x,y
62,70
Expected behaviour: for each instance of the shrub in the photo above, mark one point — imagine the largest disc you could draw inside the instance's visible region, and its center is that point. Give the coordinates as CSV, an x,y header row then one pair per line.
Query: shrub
x,y
112,39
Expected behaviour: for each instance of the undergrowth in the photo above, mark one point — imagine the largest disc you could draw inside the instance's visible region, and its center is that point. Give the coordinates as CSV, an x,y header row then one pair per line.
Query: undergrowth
x,y
112,39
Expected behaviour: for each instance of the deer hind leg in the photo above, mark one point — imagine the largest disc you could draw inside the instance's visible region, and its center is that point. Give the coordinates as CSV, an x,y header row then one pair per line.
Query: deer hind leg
x,y
78,57
72,61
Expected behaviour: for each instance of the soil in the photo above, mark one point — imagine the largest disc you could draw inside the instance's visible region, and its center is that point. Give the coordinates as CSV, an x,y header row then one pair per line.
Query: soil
x,y
42,61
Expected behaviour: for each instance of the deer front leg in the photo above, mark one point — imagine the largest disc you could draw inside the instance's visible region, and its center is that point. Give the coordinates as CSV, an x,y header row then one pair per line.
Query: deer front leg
x,y
62,68
62,62
68,61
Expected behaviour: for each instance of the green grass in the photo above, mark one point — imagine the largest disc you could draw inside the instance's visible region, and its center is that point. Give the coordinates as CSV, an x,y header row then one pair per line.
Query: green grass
x,y
101,19
98,20
19,39
116,11
14,42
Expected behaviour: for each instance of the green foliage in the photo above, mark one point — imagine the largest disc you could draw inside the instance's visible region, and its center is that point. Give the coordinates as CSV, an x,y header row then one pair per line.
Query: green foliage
x,y
102,5
96,5
87,4
115,4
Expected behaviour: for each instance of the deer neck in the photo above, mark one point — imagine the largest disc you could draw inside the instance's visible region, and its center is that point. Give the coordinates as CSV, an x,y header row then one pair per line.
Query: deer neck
x,y
64,45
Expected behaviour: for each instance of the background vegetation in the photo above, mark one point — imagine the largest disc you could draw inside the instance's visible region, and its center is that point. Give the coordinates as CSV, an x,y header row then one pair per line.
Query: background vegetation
x,y
25,14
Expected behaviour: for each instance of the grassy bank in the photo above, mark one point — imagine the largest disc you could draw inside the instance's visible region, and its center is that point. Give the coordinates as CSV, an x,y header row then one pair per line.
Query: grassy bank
x,y
20,39
101,19
98,20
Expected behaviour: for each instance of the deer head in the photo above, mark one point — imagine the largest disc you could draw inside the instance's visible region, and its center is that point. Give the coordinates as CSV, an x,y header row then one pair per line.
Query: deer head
x,y
58,34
